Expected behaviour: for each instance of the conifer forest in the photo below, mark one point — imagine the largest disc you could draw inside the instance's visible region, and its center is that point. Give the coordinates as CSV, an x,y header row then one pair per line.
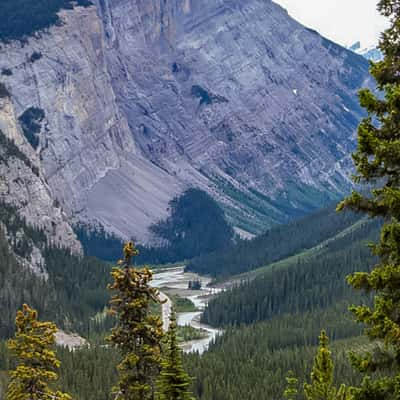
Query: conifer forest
x,y
173,226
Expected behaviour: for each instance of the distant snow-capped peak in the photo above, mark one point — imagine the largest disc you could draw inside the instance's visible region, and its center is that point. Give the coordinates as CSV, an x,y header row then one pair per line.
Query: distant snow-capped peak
x,y
371,53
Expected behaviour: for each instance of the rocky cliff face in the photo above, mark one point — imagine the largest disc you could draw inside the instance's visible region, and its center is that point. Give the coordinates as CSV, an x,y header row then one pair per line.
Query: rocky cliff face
x,y
23,186
89,156
142,98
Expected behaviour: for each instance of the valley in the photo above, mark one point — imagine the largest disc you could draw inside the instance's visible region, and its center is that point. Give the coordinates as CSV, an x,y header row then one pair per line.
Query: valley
x,y
199,200
175,282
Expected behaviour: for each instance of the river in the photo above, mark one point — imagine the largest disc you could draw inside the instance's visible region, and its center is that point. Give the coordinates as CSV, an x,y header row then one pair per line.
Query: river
x,y
176,281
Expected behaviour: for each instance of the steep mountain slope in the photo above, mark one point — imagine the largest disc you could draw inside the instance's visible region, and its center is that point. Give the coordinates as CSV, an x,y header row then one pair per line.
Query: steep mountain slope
x,y
23,186
309,280
141,99
275,244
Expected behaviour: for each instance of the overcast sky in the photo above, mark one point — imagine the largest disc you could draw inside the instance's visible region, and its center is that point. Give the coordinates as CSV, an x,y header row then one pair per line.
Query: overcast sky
x,y
343,21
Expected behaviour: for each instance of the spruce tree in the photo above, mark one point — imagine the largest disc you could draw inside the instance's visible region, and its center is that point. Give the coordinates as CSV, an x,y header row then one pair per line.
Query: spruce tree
x,y
37,363
321,386
138,333
377,161
174,382
291,391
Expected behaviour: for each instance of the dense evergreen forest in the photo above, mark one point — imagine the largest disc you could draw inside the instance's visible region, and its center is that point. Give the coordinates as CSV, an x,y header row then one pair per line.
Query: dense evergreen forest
x,y
21,18
251,362
196,226
289,301
76,288
277,243
309,281
96,242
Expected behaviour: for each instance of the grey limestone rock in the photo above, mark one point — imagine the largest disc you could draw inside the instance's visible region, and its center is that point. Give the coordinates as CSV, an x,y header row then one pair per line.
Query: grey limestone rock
x,y
144,98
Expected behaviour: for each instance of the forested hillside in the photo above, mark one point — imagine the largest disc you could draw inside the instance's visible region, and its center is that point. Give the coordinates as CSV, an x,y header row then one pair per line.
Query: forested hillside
x,y
196,226
273,320
21,18
309,281
272,323
247,363
251,362
277,243
70,289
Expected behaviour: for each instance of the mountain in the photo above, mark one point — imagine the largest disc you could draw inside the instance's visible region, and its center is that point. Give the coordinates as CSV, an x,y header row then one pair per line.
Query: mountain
x,y
126,103
371,53
276,243
23,187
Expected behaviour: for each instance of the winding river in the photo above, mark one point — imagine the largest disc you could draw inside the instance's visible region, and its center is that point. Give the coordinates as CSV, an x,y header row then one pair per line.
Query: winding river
x,y
176,281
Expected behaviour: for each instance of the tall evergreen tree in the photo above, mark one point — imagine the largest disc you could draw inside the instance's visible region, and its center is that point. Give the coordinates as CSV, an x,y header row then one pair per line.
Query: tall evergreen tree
x,y
321,386
291,391
377,160
36,359
138,333
174,382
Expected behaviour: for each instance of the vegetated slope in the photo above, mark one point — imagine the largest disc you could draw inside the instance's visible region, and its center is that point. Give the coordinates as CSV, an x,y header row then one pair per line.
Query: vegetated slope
x,y
309,281
16,287
24,187
22,18
196,226
69,289
248,363
237,99
277,243
272,321
252,362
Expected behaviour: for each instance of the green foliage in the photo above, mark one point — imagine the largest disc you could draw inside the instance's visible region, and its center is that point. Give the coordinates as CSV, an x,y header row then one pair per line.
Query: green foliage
x,y
21,18
6,72
30,122
138,333
202,94
8,149
35,56
277,243
377,162
321,386
37,361
291,390
97,242
16,287
194,285
251,362
187,333
89,373
196,226
183,304
79,284
4,91
299,284
76,288
246,363
174,382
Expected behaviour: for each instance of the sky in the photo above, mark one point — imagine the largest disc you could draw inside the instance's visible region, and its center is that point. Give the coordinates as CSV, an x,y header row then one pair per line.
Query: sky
x,y
343,21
